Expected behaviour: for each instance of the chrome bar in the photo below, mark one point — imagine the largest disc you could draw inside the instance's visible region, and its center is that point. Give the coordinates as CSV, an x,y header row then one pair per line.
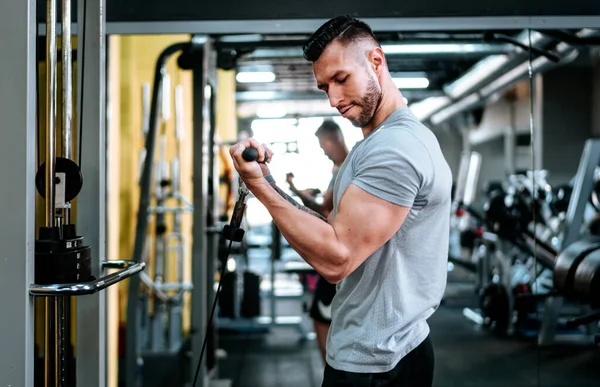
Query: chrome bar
x,y
50,343
61,341
91,287
178,286
67,79
152,285
67,93
50,109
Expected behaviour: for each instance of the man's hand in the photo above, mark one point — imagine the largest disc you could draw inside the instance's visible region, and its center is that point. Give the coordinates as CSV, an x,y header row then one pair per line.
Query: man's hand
x,y
289,178
251,171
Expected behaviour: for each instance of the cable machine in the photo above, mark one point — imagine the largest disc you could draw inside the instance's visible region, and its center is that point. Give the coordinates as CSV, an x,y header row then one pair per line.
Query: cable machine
x,y
63,263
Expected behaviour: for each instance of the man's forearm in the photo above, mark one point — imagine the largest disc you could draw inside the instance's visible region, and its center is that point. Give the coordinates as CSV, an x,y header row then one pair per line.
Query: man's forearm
x,y
288,198
314,239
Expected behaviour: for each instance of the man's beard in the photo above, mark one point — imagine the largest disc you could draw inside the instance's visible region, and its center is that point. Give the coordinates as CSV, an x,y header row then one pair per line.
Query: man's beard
x,y
369,104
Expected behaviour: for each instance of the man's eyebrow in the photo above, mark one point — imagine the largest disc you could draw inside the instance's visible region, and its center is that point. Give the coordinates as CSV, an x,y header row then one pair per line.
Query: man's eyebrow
x,y
322,86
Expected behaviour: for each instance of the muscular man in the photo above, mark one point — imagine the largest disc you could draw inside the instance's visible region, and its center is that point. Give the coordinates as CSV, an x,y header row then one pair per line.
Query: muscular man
x,y
385,244
331,140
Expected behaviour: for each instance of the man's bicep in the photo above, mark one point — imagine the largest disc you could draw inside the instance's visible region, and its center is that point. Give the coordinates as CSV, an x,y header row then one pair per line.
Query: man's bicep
x,y
394,169
364,223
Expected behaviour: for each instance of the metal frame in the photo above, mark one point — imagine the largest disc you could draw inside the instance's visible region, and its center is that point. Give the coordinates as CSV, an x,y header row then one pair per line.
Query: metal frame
x,y
583,186
201,125
91,203
18,194
378,24
134,355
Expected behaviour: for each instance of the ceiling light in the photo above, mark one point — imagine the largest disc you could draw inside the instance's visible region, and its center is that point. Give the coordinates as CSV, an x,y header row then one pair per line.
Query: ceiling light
x,y
267,124
434,48
411,83
271,111
425,108
255,77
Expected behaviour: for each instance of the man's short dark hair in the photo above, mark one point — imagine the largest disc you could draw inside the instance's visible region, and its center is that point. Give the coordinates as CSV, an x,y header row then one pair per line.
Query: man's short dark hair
x,y
329,128
345,29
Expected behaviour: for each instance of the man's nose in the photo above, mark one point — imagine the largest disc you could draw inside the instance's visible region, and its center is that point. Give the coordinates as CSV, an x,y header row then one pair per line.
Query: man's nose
x,y
335,97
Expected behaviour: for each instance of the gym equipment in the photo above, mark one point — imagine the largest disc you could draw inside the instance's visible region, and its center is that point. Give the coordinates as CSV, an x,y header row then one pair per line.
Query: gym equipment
x,y
586,281
583,185
568,262
154,316
63,263
161,328
466,183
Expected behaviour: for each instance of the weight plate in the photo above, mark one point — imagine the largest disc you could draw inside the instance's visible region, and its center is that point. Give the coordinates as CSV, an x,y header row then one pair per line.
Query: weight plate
x,y
74,178
586,282
567,261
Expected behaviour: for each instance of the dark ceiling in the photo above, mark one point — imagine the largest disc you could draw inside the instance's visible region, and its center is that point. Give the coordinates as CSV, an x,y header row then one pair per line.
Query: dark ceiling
x,y
457,64
294,76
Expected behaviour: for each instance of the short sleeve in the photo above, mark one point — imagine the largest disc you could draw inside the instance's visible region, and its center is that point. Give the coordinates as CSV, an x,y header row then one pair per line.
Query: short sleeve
x,y
393,167
333,177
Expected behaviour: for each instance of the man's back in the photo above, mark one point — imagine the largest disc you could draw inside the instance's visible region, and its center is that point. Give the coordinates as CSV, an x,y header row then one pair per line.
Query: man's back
x,y
399,286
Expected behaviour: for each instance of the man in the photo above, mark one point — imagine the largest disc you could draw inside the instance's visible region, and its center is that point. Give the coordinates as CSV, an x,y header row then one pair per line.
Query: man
x,y
331,140
385,244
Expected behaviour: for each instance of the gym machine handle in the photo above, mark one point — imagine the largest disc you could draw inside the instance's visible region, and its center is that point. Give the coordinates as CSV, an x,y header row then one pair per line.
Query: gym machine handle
x,y
251,154
85,288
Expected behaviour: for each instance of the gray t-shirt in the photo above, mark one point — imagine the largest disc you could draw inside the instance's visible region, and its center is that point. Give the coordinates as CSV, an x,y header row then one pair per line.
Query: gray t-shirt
x,y
380,310
334,173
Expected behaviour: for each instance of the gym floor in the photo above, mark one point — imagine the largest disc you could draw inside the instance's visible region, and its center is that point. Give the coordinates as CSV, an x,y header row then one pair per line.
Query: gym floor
x,y
466,355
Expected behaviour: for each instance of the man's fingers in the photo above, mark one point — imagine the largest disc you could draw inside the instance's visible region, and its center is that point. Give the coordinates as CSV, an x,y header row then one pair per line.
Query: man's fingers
x,y
264,153
268,153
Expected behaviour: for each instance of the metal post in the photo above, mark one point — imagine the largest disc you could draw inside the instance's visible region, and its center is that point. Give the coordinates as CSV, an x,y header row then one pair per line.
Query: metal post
x,y
91,203
63,304
67,93
18,112
509,149
51,109
212,245
51,335
200,142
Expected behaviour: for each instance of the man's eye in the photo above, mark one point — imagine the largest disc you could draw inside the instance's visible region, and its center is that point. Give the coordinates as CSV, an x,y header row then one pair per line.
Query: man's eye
x,y
343,79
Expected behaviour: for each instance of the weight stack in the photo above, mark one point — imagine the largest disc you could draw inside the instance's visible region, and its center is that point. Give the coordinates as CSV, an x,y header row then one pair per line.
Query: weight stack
x,y
251,299
61,257
227,296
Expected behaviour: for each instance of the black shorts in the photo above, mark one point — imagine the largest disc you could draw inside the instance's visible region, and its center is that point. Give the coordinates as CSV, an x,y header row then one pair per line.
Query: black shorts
x,y
414,370
320,309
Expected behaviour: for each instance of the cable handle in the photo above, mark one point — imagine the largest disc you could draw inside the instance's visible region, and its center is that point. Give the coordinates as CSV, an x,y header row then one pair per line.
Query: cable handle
x,y
251,154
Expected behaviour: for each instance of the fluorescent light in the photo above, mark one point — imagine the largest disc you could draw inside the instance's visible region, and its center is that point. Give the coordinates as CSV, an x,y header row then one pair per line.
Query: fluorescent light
x,y
425,108
271,111
275,130
434,48
275,124
411,83
255,77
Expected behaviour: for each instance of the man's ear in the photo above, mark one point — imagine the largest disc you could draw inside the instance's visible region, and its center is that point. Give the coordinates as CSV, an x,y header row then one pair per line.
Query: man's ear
x,y
377,59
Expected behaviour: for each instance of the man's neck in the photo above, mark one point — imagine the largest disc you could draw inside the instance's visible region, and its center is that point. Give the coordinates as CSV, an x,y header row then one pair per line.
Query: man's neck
x,y
344,153
391,100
